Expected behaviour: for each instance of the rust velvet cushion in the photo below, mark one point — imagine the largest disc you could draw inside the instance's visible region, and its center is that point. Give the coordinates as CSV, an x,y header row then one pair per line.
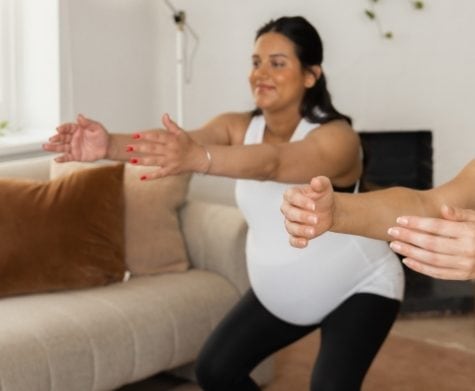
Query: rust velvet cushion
x,y
67,233
154,241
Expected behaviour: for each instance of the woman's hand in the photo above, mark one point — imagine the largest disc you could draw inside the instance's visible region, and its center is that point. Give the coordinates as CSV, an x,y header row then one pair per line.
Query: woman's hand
x,y
172,151
308,210
441,248
85,141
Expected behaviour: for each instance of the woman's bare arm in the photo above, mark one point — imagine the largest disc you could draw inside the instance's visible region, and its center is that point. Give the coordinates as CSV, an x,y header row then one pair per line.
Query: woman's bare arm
x,y
331,150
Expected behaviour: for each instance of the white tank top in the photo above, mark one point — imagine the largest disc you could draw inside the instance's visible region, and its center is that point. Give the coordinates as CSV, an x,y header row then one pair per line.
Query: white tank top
x,y
302,286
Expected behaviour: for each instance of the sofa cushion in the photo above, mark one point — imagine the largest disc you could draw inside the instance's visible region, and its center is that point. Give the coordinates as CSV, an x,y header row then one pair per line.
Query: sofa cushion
x,y
66,233
154,242
102,338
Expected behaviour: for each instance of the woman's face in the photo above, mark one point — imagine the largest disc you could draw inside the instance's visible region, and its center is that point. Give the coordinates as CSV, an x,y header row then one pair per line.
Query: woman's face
x,y
277,78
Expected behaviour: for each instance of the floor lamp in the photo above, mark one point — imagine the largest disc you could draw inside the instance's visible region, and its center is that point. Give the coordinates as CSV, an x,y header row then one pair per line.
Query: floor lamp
x,y
179,18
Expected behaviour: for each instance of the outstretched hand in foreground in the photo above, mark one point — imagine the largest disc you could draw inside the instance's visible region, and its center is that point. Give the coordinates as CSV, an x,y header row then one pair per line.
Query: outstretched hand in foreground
x,y
308,210
441,247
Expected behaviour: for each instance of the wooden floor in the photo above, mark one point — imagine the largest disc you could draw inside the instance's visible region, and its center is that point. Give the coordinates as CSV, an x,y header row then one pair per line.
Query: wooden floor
x,y
420,354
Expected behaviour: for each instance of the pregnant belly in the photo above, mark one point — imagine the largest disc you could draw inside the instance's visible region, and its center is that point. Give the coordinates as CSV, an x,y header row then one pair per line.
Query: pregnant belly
x,y
304,289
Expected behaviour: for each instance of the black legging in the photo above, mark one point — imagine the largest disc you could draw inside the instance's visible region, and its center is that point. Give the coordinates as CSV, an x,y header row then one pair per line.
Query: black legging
x,y
351,336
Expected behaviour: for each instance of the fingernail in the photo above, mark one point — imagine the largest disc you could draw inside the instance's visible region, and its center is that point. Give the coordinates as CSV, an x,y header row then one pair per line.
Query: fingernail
x,y
402,220
408,263
393,231
395,246
312,219
136,136
143,178
129,148
134,160
309,231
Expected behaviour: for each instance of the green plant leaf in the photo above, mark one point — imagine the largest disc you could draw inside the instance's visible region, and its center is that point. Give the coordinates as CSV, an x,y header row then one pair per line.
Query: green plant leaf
x,y
3,124
370,14
418,5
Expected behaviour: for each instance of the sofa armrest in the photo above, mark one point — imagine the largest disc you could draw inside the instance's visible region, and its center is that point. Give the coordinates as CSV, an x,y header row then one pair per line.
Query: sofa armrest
x,y
29,168
215,237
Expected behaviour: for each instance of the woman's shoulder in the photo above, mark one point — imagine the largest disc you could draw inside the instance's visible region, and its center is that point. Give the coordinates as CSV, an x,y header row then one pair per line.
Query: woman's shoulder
x,y
337,130
235,118
337,138
236,123
336,124
232,124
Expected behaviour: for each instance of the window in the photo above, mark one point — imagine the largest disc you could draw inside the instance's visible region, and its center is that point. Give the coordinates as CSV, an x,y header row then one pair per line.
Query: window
x,y
29,74
6,62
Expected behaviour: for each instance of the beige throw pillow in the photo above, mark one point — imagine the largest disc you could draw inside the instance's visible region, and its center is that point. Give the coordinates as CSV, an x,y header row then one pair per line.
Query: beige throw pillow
x,y
154,241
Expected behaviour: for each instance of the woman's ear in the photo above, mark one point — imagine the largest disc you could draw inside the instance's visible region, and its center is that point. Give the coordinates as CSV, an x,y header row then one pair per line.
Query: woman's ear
x,y
312,75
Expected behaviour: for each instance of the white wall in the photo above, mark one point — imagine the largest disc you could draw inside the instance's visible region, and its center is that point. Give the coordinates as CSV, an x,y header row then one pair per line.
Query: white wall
x,y
124,68
109,61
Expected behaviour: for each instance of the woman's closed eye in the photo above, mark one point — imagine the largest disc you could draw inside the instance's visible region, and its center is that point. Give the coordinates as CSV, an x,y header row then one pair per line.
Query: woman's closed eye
x,y
278,64
256,63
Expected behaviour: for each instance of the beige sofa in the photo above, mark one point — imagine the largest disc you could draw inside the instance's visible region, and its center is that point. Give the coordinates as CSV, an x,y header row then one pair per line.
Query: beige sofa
x,y
105,337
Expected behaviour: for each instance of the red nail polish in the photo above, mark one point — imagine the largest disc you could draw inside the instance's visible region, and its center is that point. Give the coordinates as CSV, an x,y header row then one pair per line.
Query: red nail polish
x,y
129,148
134,160
136,135
143,177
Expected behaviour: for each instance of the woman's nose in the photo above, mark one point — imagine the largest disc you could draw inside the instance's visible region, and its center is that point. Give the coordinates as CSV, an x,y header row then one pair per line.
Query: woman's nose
x,y
261,72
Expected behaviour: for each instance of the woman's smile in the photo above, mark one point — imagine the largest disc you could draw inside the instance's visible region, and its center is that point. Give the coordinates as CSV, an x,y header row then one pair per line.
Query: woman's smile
x,y
262,88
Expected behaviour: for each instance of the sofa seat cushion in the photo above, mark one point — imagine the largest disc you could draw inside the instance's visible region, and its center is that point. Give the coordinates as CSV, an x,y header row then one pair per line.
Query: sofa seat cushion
x,y
105,337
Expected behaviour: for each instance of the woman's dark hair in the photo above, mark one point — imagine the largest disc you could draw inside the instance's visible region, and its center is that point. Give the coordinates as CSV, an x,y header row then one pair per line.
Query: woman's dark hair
x,y
316,106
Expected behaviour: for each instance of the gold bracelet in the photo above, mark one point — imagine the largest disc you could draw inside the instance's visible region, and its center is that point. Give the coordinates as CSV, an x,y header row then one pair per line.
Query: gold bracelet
x,y
210,160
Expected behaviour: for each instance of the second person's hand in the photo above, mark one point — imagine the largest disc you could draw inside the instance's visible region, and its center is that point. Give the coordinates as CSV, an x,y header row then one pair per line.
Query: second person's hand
x,y
438,247
308,210
85,140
